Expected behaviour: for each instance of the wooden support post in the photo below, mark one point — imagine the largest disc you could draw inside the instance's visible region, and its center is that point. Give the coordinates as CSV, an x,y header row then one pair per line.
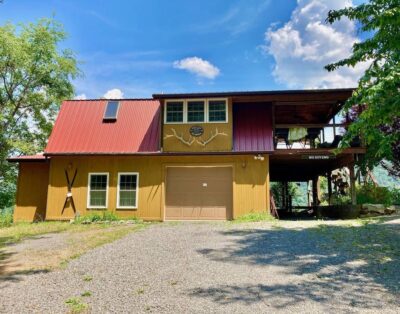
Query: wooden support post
x,y
353,185
314,192
329,178
287,196
334,126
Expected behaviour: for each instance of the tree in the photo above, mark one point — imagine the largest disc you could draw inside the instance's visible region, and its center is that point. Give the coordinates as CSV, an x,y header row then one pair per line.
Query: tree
x,y
379,88
35,76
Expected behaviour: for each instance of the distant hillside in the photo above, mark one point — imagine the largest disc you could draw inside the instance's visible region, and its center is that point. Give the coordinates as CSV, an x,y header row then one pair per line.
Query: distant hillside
x,y
384,179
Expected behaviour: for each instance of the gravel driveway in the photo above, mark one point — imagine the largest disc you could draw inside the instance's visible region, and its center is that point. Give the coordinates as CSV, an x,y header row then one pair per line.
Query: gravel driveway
x,y
212,268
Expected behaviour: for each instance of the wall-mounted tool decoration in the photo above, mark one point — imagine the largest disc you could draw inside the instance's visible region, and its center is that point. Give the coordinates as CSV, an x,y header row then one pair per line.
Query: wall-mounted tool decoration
x,y
191,139
69,197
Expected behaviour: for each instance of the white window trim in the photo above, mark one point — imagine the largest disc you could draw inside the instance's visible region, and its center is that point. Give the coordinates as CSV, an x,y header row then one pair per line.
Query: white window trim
x,y
137,190
226,110
185,111
88,190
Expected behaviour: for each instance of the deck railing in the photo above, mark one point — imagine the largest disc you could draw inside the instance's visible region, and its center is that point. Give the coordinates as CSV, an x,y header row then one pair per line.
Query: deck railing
x,y
310,136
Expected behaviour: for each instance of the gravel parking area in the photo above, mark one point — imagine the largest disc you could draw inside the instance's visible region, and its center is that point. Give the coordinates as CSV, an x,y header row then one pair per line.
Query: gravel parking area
x,y
222,268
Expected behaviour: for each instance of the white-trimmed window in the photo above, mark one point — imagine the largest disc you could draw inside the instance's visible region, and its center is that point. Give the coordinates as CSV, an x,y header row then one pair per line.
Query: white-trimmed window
x,y
196,111
128,183
98,190
174,112
180,111
217,111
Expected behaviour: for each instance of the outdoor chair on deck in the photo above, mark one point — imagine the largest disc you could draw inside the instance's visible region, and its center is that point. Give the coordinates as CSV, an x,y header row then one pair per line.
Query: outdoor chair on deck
x,y
334,144
312,135
282,135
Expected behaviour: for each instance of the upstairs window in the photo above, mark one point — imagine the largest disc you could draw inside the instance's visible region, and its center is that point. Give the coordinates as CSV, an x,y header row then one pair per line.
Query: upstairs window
x,y
97,190
217,111
174,112
111,112
195,111
127,190
178,111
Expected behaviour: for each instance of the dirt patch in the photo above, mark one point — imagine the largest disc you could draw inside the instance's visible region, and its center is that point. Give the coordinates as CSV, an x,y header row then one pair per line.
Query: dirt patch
x,y
43,253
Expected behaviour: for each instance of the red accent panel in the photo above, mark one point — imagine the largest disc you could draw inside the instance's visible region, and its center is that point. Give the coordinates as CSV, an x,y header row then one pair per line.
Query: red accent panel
x,y
80,128
252,127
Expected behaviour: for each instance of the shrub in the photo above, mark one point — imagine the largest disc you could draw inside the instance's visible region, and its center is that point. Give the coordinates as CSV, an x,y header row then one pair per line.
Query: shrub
x,y
97,217
6,217
371,194
339,199
7,194
395,196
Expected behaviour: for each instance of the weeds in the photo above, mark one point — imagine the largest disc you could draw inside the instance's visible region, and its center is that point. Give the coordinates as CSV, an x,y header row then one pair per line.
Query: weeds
x,y
76,305
6,217
87,278
97,217
254,217
140,291
86,294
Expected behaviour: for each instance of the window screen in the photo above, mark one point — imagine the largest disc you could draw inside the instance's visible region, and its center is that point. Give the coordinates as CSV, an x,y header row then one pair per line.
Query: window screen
x,y
174,111
111,110
217,111
98,184
127,190
195,111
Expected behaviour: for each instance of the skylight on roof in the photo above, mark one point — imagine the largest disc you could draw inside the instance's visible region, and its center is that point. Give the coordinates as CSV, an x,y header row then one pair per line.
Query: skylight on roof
x,y
111,111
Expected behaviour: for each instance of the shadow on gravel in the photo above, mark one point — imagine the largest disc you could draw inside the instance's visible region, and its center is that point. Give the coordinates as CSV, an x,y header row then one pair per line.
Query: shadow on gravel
x,y
355,263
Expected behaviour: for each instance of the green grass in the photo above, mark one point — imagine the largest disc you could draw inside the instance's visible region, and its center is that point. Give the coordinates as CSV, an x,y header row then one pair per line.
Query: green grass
x,y
19,231
76,305
254,217
86,294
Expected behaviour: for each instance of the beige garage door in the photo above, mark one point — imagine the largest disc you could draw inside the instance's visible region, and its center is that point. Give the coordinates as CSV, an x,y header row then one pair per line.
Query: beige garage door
x,y
198,193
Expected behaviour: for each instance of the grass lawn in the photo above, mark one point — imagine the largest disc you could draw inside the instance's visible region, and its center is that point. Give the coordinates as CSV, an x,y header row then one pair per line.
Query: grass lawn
x,y
49,245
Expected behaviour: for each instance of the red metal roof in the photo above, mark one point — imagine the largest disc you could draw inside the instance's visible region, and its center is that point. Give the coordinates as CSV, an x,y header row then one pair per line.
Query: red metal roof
x,y
252,128
80,129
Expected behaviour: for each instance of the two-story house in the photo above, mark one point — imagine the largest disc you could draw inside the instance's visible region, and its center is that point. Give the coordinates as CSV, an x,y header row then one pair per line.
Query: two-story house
x,y
204,156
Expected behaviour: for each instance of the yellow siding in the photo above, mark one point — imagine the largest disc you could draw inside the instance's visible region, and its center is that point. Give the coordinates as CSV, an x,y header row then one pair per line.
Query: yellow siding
x,y
220,143
31,198
250,184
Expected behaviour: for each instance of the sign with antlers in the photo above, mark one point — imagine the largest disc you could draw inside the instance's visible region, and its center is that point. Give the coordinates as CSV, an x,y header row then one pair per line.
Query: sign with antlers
x,y
191,140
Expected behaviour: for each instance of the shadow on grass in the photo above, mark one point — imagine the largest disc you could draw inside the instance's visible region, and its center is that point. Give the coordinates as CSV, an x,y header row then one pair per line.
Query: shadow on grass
x,y
353,264
6,254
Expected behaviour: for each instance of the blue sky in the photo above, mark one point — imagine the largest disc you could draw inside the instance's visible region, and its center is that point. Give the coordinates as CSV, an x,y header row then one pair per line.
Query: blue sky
x,y
143,47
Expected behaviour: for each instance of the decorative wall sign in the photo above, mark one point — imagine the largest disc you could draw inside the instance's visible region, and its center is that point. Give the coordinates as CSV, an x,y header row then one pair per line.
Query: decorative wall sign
x,y
192,139
196,131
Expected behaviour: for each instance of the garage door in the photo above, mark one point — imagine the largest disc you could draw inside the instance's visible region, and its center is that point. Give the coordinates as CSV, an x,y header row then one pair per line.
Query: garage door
x,y
203,193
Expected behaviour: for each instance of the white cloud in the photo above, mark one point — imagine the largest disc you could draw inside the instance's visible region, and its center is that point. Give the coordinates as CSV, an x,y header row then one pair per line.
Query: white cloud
x,y
114,93
198,66
80,97
304,45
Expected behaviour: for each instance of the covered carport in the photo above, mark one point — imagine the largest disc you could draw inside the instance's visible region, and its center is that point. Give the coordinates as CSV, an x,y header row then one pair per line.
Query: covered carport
x,y
307,166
